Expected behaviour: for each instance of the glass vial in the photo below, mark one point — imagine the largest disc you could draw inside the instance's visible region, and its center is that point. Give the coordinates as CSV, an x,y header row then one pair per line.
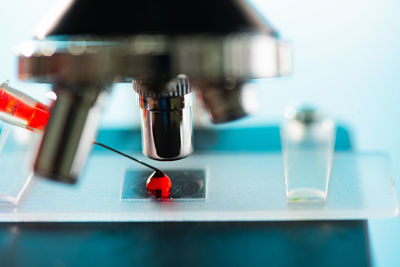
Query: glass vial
x,y
308,140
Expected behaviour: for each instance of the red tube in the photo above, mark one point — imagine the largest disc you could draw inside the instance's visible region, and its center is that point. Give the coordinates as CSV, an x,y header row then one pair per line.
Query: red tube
x,y
20,109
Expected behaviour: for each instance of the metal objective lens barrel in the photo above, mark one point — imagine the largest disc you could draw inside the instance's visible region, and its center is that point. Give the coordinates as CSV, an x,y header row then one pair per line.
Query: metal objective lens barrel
x,y
167,127
69,133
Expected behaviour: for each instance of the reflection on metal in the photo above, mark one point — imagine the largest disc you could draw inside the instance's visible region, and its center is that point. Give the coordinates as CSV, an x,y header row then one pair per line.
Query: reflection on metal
x,y
83,54
167,128
69,133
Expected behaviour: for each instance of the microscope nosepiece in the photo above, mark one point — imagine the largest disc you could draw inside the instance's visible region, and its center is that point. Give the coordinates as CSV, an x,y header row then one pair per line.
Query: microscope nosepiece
x,y
228,103
166,115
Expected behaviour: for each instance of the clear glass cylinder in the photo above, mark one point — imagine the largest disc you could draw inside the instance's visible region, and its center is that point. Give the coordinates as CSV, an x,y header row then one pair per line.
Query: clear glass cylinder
x,y
17,147
308,141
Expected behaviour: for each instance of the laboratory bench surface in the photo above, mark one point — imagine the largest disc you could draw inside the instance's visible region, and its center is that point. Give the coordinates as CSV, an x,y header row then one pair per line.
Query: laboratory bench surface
x,y
279,243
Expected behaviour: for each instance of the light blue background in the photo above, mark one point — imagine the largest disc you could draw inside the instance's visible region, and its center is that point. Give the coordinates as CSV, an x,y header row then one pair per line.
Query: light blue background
x,y
346,60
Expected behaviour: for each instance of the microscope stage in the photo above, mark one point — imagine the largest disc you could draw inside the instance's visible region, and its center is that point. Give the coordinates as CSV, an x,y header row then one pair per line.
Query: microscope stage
x,y
236,187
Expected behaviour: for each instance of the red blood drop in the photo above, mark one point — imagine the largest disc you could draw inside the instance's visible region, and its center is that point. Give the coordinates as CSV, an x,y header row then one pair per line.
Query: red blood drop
x,y
159,185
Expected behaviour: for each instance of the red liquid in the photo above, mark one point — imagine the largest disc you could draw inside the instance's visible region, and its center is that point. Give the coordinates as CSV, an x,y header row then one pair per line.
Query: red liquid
x,y
159,185
40,117
36,116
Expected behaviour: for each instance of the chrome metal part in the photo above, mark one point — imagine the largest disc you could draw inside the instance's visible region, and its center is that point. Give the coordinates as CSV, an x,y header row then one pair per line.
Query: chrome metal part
x,y
228,101
89,45
240,56
167,127
69,133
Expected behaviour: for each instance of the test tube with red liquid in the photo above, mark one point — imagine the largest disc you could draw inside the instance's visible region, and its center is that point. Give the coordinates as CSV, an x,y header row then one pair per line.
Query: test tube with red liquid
x,y
22,110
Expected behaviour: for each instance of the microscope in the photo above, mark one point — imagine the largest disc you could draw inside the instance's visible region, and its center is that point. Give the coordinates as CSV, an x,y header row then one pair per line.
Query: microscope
x,y
168,50
240,211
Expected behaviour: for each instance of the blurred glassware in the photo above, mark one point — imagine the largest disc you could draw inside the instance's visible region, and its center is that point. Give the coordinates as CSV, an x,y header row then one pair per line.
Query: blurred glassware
x,y
308,139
